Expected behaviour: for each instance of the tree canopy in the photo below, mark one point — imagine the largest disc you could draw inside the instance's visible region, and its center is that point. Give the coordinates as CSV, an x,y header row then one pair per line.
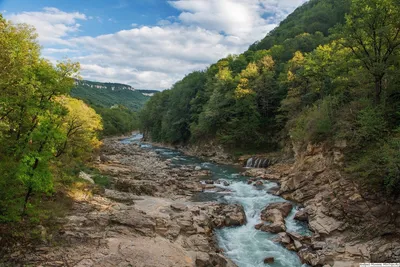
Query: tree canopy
x,y
40,126
329,72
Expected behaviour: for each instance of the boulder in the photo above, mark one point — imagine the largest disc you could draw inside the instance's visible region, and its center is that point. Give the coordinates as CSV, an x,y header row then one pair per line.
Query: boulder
x,y
202,259
301,215
275,227
225,215
269,260
258,183
86,177
283,239
284,207
275,214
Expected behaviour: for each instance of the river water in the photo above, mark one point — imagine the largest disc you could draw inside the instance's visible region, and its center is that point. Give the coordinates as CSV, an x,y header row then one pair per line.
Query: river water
x,y
245,245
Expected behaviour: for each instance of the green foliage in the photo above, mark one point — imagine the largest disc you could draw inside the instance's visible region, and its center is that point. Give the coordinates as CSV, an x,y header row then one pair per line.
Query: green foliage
x,y
315,124
107,95
39,131
378,165
315,18
102,180
372,33
117,120
116,103
309,81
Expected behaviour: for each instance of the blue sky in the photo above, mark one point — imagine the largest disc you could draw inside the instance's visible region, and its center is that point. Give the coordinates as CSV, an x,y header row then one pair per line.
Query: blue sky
x,y
146,43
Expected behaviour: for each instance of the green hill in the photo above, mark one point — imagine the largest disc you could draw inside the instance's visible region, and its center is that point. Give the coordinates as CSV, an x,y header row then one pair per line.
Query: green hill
x,y
116,103
106,95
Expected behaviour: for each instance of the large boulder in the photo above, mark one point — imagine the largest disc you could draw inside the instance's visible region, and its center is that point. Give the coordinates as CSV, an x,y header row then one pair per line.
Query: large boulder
x,y
275,215
283,207
301,215
225,215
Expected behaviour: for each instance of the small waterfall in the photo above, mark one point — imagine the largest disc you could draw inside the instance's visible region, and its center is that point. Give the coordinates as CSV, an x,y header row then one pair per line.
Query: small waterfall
x,y
258,163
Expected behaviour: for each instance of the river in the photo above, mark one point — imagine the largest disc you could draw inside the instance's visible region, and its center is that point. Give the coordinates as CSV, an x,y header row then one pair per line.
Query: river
x,y
245,245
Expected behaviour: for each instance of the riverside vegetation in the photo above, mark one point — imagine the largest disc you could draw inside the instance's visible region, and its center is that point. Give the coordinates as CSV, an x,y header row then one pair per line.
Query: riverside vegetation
x,y
329,72
117,104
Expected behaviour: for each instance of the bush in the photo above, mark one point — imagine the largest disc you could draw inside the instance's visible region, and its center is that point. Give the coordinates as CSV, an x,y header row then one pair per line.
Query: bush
x,y
370,125
378,166
102,180
316,123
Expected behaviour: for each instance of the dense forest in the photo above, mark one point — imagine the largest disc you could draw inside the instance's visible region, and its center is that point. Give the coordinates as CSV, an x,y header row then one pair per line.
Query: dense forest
x,y
116,103
44,132
330,72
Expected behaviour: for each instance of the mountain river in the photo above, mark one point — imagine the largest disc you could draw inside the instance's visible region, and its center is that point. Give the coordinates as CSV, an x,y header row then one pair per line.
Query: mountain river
x,y
245,245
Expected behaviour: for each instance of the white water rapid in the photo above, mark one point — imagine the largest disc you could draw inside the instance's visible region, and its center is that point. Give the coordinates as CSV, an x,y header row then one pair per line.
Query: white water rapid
x,y
245,245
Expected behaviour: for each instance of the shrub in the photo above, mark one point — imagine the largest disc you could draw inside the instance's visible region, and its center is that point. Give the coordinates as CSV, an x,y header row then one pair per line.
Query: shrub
x,y
378,165
102,180
316,123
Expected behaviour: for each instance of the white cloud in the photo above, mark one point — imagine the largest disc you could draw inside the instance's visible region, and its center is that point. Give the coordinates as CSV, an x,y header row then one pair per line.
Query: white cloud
x,y
58,50
52,24
244,20
167,53
157,56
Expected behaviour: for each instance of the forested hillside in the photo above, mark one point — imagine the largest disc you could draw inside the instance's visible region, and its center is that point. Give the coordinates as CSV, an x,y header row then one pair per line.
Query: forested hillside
x,y
107,95
329,72
116,103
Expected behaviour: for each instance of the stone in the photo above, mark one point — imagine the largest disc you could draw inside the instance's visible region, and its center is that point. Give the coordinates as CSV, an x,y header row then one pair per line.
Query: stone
x,y
86,177
301,215
284,207
197,168
269,260
283,238
258,183
202,259
179,207
276,227
225,215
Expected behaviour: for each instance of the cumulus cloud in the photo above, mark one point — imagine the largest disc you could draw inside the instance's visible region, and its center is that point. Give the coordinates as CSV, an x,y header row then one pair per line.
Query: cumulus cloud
x,y
52,24
167,52
157,56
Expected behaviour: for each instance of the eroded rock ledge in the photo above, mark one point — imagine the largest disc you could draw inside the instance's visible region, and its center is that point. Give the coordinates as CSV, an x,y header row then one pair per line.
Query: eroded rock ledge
x,y
350,225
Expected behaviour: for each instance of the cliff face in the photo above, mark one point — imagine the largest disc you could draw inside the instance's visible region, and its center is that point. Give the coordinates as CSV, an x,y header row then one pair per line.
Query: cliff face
x,y
350,224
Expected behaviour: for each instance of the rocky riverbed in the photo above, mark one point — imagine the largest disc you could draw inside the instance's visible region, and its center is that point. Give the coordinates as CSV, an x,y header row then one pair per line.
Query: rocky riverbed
x,y
151,215
145,219
349,224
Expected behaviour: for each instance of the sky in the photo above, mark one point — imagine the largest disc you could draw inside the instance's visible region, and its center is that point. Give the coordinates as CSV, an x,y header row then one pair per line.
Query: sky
x,y
148,44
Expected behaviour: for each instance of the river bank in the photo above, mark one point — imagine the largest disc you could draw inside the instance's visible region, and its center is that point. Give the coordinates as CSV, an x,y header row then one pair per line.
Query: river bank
x,y
165,208
349,223
146,218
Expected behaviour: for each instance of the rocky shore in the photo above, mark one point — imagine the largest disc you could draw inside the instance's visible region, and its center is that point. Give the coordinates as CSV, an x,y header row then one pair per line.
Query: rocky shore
x,y
350,225
146,218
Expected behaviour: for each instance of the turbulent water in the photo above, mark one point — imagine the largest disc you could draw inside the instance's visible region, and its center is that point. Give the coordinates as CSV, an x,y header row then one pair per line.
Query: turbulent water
x,y
245,245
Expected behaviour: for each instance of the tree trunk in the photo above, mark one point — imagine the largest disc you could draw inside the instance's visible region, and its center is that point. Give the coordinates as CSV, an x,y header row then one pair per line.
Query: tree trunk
x,y
28,194
378,90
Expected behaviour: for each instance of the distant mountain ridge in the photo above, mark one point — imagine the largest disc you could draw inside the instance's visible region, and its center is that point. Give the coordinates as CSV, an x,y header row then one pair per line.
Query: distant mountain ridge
x,y
107,95
100,85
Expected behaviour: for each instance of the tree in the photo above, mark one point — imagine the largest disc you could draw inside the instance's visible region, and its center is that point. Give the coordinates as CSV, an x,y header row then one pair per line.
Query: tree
x,y
79,129
36,126
372,32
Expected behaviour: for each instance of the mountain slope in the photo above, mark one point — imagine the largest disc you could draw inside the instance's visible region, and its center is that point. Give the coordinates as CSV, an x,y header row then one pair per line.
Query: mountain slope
x,y
106,95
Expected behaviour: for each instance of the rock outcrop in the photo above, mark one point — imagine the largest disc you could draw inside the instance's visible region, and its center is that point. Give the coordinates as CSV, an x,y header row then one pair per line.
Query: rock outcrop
x,y
350,225
275,215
